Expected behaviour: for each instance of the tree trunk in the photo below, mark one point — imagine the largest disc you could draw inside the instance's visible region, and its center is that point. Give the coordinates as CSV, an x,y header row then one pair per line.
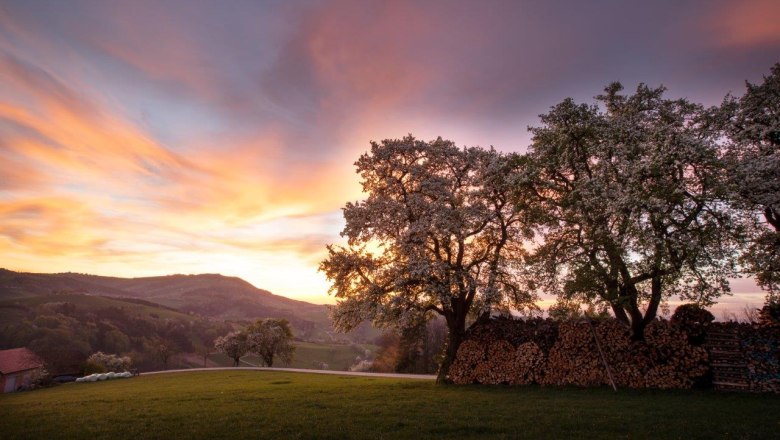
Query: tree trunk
x,y
638,330
454,339
773,218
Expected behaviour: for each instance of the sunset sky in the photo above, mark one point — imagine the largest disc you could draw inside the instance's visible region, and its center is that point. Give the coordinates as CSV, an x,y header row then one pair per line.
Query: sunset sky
x,y
149,138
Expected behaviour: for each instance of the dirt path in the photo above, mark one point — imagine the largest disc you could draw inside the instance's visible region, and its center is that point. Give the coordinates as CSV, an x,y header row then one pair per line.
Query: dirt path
x,y
301,370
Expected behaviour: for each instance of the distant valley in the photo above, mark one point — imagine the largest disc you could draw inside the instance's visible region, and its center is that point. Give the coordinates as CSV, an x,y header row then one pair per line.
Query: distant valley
x,y
74,314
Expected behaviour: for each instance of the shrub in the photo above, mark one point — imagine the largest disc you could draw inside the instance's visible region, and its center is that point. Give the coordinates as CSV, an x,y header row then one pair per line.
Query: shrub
x,y
101,362
693,320
769,316
92,368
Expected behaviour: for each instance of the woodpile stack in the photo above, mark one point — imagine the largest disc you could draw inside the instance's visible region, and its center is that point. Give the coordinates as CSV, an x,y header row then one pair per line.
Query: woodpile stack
x,y
471,354
585,353
581,353
574,359
727,359
529,364
627,359
744,356
676,363
763,362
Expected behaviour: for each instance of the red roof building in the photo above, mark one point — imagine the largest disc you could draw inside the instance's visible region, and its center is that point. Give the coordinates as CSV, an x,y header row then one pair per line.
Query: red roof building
x,y
18,367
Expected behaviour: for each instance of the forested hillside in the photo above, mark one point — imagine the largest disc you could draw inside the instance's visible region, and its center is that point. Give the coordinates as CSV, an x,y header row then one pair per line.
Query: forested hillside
x,y
160,322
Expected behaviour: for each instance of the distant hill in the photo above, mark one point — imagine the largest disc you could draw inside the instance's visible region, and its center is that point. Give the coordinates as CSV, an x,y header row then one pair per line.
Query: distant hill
x,y
208,295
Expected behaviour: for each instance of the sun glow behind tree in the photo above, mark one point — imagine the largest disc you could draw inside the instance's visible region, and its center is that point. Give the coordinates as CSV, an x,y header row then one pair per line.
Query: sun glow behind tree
x,y
444,234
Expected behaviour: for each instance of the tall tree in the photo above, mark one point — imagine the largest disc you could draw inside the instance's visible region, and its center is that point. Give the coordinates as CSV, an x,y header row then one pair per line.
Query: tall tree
x,y
436,234
754,164
631,203
271,338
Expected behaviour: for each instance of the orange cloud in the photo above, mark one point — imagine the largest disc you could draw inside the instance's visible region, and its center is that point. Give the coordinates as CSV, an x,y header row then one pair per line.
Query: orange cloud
x,y
95,192
50,226
142,138
746,23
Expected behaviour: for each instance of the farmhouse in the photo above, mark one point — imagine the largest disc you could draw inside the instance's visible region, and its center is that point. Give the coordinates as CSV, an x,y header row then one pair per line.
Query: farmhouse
x,y
18,366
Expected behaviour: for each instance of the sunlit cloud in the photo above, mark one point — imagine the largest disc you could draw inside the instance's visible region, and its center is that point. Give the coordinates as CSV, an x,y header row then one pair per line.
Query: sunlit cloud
x,y
144,138
747,23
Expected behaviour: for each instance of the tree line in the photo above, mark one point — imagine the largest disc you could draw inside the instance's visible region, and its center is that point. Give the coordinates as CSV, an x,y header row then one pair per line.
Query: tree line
x,y
65,334
618,205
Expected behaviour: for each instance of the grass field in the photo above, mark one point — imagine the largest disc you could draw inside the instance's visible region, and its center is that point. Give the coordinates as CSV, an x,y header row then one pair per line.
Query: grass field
x,y
280,405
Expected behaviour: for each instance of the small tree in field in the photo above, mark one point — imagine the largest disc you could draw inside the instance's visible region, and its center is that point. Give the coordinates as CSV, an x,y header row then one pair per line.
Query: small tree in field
x,y
754,166
271,338
633,209
234,345
165,350
436,234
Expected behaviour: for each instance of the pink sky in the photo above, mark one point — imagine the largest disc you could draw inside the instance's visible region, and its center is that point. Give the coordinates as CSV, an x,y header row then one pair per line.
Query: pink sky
x,y
145,138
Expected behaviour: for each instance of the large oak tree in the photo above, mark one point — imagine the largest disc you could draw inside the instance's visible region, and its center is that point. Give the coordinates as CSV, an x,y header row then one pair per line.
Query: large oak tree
x,y
437,233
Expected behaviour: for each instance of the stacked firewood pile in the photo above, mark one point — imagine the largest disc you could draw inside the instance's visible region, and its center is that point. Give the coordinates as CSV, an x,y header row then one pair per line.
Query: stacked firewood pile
x,y
745,357
761,351
504,351
676,362
689,350
567,353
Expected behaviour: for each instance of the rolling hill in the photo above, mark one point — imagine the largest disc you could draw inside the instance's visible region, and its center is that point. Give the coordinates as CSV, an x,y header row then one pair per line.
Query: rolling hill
x,y
208,295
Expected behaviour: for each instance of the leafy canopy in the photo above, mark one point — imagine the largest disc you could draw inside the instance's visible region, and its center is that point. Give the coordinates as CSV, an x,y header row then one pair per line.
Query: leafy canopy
x,y
753,129
631,203
271,338
437,233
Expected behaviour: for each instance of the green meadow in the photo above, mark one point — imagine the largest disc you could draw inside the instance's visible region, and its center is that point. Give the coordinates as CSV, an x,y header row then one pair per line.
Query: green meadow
x,y
280,405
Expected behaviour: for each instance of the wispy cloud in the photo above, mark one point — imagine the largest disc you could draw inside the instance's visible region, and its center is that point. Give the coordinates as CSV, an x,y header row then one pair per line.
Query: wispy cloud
x,y
143,137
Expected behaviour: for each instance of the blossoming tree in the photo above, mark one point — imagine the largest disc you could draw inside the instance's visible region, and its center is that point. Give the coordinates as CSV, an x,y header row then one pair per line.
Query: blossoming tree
x,y
234,345
632,204
270,338
754,166
437,233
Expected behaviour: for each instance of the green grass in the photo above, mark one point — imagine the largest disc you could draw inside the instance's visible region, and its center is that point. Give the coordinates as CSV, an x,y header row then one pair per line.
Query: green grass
x,y
254,404
337,356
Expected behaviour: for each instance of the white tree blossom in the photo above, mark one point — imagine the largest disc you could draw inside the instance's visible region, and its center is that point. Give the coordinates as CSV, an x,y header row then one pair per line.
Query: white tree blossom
x,y
753,129
631,203
437,233
234,345
110,362
271,338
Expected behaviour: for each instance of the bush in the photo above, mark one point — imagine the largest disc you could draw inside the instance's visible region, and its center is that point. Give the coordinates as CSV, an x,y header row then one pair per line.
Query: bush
x,y
101,362
40,378
769,316
693,320
92,368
